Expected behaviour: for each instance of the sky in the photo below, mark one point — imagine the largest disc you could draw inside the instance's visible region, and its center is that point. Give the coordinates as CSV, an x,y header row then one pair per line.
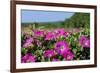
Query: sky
x,y
29,16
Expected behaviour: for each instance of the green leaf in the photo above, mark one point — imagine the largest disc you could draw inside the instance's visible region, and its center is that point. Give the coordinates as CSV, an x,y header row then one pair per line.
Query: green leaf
x,y
24,51
74,50
38,52
60,57
32,51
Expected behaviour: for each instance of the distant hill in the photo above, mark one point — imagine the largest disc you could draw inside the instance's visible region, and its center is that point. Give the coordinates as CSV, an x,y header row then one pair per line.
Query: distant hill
x,y
78,20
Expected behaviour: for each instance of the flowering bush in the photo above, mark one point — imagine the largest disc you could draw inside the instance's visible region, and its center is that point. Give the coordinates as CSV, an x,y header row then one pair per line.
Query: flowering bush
x,y
55,45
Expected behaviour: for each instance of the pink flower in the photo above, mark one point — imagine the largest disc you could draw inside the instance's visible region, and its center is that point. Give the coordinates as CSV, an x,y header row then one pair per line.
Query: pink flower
x,y
28,42
61,33
49,36
61,47
49,53
28,58
69,55
38,33
84,41
54,59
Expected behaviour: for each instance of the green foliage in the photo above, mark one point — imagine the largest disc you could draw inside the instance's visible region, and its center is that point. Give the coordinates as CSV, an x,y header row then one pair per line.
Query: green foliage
x,y
23,51
78,20
80,53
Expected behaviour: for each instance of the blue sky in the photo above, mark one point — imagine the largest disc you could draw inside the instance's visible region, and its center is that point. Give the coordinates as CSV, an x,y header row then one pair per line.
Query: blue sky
x,y
43,16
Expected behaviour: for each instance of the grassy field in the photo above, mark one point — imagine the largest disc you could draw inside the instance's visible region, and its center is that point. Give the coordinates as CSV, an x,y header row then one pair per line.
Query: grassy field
x,y
28,29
